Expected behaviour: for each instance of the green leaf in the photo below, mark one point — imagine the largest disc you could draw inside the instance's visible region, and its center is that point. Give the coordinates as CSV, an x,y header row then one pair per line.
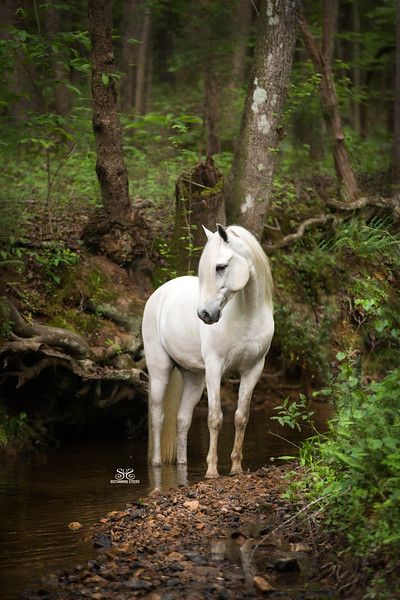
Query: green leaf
x,y
105,79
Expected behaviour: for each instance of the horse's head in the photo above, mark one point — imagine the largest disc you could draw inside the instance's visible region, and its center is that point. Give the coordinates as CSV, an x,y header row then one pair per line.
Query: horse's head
x,y
224,269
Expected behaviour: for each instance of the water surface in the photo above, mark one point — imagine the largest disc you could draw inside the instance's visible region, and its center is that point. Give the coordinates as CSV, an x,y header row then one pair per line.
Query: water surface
x,y
41,496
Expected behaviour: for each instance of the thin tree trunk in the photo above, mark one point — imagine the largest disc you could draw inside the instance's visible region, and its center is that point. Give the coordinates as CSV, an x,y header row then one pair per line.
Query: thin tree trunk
x,y
242,24
212,111
329,28
130,30
110,166
250,182
61,92
330,109
143,63
356,66
395,166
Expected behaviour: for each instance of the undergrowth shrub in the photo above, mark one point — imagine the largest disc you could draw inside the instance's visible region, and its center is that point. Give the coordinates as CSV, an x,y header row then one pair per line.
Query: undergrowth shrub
x,y
354,469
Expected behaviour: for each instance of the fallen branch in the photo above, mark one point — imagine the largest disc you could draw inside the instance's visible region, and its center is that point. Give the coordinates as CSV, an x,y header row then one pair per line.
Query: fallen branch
x,y
393,202
293,237
287,521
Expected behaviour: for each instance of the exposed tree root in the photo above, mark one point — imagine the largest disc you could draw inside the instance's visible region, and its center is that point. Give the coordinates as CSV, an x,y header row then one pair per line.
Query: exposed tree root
x,y
47,347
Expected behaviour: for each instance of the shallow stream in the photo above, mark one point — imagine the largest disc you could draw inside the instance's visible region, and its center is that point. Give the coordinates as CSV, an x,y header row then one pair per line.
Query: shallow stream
x,y
42,495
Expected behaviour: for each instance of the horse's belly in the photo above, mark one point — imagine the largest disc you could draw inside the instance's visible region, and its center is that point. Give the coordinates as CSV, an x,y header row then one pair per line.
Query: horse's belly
x,y
179,324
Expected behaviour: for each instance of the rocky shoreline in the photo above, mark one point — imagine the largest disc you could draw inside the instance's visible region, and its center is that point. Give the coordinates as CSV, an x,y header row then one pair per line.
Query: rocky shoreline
x,y
234,537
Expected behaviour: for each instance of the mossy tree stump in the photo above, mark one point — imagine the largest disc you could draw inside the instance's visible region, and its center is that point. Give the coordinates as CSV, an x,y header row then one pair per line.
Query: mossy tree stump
x,y
199,201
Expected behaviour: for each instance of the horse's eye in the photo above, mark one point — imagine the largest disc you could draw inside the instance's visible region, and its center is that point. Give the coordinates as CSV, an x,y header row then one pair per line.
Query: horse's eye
x,y
220,268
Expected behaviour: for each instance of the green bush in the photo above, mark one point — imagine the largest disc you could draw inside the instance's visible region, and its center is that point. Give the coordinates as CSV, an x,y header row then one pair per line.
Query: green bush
x,y
355,468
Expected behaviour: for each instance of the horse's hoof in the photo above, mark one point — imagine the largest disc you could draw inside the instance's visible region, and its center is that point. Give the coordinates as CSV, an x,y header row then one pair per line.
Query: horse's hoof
x,y
236,471
212,474
156,463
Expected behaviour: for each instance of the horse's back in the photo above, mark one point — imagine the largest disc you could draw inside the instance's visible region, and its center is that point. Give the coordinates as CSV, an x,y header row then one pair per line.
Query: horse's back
x,y
170,320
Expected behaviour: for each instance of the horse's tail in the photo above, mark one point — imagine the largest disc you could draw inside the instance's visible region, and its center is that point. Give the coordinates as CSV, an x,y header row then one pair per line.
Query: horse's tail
x,y
172,400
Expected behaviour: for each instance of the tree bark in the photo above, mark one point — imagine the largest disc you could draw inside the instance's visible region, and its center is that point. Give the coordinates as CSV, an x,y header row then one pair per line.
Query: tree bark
x,y
395,166
330,109
250,181
61,93
356,66
212,113
143,65
110,166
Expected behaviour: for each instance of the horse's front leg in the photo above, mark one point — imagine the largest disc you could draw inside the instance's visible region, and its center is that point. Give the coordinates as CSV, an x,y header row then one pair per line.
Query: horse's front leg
x,y
247,384
213,380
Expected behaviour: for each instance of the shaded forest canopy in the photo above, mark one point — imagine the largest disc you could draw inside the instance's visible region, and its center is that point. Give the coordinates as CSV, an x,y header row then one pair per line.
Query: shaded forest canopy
x,y
123,131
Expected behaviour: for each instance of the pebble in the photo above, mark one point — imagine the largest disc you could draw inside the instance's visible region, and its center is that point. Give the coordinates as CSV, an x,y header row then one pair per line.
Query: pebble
x,y
262,585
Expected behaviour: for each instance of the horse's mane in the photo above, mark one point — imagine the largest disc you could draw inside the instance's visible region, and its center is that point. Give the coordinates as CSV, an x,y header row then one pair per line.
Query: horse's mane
x,y
259,258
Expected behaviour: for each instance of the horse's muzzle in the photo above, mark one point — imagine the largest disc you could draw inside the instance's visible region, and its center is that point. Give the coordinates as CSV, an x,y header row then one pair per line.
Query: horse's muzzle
x,y
209,318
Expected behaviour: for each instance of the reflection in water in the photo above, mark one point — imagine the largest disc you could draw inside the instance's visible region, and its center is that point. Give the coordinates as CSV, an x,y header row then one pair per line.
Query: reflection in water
x,y
40,497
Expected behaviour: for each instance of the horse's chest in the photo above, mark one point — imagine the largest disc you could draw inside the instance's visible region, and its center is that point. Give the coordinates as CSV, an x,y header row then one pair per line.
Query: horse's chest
x,y
244,354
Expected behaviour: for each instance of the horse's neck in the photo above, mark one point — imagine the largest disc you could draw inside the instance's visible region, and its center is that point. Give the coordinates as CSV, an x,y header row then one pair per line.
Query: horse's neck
x,y
252,297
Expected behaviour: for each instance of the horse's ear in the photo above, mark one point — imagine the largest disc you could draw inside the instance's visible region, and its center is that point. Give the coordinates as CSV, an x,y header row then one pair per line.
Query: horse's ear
x,y
222,232
208,233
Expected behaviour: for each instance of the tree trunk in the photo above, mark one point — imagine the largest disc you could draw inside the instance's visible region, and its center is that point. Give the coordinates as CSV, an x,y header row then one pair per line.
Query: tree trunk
x,y
250,181
356,66
330,110
242,24
329,27
61,92
143,64
110,166
130,31
395,166
212,111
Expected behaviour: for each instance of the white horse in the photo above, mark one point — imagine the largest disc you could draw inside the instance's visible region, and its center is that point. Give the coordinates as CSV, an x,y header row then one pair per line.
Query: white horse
x,y
201,328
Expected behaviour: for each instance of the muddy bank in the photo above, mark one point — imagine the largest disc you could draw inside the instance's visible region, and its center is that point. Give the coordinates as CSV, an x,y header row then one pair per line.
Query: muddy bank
x,y
235,537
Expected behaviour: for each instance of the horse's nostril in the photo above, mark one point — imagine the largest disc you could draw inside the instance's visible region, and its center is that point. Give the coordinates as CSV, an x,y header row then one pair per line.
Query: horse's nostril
x,y
203,315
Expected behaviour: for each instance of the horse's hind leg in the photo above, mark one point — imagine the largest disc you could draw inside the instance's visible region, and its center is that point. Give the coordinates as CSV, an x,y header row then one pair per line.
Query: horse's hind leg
x,y
193,386
160,368
247,384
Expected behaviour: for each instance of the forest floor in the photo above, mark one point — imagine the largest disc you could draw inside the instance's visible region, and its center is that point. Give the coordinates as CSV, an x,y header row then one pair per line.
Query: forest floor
x,y
235,537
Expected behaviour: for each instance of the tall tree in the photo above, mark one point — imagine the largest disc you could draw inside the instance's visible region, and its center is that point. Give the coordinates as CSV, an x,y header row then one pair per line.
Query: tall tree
x,y
356,65
62,97
212,113
120,232
250,182
110,166
129,50
322,60
395,166
143,70
242,23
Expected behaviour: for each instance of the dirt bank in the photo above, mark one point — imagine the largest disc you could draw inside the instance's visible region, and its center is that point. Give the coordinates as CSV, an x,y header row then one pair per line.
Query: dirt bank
x,y
235,537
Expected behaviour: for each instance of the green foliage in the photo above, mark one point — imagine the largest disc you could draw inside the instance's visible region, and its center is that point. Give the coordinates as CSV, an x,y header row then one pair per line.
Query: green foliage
x,y
303,343
294,414
355,469
13,429
54,261
366,240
